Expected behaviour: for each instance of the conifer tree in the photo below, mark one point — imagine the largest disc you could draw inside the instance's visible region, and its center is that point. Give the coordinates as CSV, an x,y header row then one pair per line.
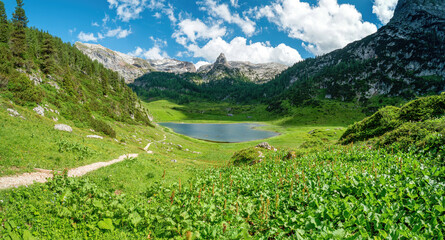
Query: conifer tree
x,y
4,27
47,55
18,37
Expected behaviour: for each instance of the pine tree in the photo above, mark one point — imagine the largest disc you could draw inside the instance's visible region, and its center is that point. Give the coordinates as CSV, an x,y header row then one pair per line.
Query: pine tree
x,y
47,55
4,26
18,37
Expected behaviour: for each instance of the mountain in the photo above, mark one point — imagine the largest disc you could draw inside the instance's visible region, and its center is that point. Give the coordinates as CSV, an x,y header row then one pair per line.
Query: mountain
x,y
258,73
405,58
130,67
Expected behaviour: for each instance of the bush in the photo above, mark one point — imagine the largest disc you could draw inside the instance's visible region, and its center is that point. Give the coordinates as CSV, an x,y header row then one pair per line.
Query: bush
x,y
101,126
23,90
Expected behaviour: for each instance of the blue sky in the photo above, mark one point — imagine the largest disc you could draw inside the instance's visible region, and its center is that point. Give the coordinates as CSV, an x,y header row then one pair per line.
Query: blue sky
x,y
284,31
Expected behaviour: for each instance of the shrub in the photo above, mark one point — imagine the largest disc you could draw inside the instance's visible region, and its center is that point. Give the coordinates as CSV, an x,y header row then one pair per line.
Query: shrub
x,y
23,90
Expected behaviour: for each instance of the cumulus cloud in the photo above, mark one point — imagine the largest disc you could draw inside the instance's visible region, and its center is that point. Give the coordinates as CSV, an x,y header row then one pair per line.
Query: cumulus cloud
x,y
200,64
87,37
239,50
323,27
153,53
384,9
191,30
222,11
128,10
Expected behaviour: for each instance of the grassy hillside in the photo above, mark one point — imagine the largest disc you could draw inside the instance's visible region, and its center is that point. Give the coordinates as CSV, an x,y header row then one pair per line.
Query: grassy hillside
x,y
418,125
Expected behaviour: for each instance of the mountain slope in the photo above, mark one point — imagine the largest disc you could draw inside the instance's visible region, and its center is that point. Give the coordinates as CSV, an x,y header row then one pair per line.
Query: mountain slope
x,y
130,67
257,73
58,76
404,59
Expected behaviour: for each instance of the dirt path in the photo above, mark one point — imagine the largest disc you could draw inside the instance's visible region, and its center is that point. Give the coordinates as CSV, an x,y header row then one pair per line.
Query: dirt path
x,y
42,174
149,144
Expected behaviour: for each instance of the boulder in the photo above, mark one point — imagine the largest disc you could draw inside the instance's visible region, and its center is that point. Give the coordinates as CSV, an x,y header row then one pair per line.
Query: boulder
x,y
39,110
265,145
95,136
13,113
63,127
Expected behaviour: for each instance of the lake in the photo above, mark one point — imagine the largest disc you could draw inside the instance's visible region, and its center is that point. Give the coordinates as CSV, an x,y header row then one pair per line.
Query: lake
x,y
236,132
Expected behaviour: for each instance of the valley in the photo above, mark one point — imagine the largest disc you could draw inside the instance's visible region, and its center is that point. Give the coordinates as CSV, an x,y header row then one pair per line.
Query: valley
x,y
354,146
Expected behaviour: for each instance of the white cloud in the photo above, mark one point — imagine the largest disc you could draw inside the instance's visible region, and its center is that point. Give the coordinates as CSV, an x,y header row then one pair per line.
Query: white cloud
x,y
239,50
324,27
95,24
153,53
118,33
234,3
128,9
87,37
192,30
222,11
201,63
384,9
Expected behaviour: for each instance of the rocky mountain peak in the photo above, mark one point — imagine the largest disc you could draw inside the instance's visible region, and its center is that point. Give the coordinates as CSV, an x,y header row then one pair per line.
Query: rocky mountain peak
x,y
222,60
406,8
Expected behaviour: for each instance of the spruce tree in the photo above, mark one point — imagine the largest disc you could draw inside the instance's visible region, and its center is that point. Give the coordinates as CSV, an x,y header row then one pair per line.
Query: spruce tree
x,y
47,55
18,37
4,27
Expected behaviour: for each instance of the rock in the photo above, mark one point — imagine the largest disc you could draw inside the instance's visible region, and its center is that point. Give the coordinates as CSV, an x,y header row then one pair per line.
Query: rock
x,y
174,161
13,113
230,115
55,119
39,110
130,67
257,73
265,145
95,136
35,79
179,146
63,127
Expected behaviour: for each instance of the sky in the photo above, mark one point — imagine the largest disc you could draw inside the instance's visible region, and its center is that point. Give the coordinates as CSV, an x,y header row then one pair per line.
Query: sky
x,y
259,31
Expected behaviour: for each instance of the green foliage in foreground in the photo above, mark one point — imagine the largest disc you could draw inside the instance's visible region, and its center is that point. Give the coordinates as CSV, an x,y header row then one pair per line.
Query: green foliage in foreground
x,y
390,118
344,193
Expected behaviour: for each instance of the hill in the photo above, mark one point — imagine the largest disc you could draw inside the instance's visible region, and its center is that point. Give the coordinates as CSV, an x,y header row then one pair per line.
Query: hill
x,y
49,72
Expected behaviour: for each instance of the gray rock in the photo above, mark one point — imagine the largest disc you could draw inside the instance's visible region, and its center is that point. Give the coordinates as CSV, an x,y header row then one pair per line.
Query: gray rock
x,y
13,113
258,73
174,161
55,119
95,136
63,127
265,145
39,110
129,67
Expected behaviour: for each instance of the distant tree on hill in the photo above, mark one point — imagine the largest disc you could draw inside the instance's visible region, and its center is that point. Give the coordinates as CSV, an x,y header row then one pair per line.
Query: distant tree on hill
x,y
47,55
18,36
4,27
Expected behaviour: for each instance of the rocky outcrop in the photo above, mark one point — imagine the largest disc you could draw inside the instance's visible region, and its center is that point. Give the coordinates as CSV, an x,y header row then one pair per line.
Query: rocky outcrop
x,y
63,127
127,66
258,73
405,58
130,67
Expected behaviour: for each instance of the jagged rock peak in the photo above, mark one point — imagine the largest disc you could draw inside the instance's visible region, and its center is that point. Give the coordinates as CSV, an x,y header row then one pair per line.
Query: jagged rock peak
x,y
222,60
406,7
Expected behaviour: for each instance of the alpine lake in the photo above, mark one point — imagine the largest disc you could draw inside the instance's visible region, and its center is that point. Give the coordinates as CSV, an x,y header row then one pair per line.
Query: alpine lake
x,y
225,133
